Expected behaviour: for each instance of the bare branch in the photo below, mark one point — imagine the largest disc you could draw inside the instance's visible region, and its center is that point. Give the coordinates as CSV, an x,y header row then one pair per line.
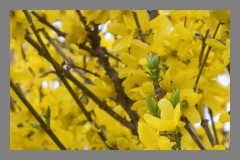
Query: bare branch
x,y
44,21
38,117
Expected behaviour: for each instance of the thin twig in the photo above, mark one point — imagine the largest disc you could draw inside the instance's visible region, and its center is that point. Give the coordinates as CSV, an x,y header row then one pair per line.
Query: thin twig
x,y
38,117
114,57
204,123
12,107
205,60
213,125
193,134
159,91
102,105
140,32
59,72
203,47
185,22
68,60
85,70
100,52
228,68
44,21
152,14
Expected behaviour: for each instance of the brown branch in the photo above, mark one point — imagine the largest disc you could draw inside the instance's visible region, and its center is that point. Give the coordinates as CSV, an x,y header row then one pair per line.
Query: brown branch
x,y
152,14
68,60
12,107
204,123
44,21
213,126
193,134
46,128
203,47
140,32
59,72
205,60
82,19
228,68
85,70
100,53
159,91
34,44
102,105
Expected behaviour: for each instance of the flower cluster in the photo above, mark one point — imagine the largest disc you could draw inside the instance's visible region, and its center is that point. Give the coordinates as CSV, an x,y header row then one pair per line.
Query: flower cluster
x,y
119,79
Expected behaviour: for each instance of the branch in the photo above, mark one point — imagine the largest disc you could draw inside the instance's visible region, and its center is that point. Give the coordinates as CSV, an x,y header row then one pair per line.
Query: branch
x,y
76,67
100,53
38,117
213,126
68,60
204,123
12,107
159,91
44,21
205,60
152,14
203,47
59,72
138,26
102,105
228,68
192,132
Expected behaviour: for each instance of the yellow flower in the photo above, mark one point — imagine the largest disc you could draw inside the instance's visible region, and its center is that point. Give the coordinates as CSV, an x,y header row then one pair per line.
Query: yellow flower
x,y
147,135
169,119
191,99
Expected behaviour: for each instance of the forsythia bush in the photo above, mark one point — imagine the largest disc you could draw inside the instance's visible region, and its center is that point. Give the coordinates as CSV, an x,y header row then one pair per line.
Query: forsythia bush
x,y
119,79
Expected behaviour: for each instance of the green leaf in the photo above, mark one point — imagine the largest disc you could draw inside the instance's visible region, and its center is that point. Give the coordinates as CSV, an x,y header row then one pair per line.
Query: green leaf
x,y
47,116
152,106
35,125
155,61
47,73
175,97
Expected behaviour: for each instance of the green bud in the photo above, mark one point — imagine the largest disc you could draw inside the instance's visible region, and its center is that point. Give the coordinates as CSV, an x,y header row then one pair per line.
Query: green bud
x,y
153,61
47,116
152,106
175,97
35,125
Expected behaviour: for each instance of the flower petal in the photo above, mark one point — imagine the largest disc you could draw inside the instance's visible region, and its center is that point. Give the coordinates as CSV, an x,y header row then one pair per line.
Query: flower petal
x,y
177,113
192,114
147,136
159,124
166,108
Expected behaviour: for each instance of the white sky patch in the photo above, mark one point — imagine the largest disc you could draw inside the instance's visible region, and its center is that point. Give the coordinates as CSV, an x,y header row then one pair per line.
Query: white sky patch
x,y
57,24
55,84
227,126
44,84
61,39
228,107
223,79
108,36
197,125
103,27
